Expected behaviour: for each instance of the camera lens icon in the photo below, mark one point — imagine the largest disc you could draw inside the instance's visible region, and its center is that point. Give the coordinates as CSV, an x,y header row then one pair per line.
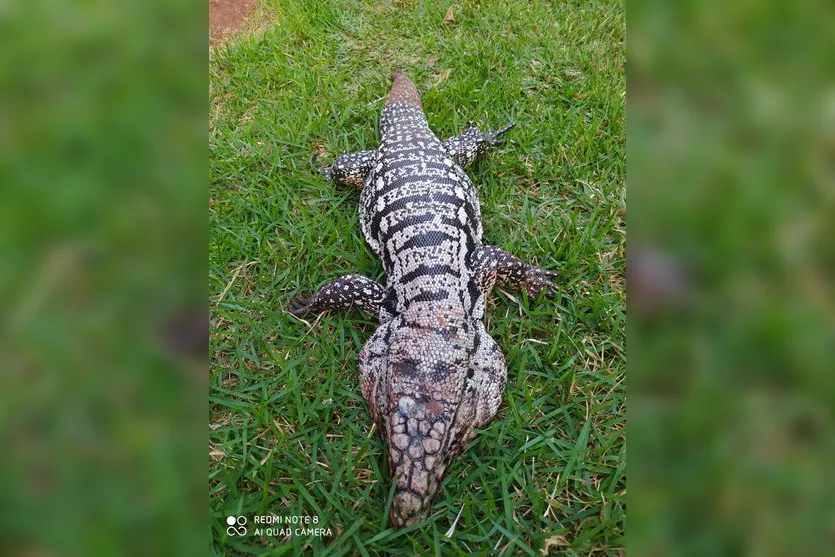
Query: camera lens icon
x,y
237,525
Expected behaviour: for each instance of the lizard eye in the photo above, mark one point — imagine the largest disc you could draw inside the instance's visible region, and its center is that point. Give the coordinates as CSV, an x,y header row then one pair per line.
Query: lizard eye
x,y
407,367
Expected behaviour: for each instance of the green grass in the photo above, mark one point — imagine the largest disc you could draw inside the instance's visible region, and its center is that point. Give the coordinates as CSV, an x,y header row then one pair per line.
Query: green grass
x,y
290,432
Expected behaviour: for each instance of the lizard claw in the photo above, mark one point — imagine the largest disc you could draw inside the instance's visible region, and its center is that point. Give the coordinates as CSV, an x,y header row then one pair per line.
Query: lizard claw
x,y
324,172
494,137
299,305
538,281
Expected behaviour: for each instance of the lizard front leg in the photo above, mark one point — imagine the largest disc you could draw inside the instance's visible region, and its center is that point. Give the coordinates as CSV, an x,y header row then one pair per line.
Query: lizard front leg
x,y
490,265
344,292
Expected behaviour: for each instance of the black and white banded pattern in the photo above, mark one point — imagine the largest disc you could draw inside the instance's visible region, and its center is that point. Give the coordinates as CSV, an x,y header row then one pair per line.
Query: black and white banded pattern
x,y
430,373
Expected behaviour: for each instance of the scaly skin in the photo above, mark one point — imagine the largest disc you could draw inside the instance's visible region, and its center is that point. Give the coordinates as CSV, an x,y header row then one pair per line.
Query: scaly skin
x,y
431,374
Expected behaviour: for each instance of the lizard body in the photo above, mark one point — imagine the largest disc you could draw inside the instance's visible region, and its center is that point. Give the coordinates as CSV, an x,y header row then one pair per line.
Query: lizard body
x,y
431,373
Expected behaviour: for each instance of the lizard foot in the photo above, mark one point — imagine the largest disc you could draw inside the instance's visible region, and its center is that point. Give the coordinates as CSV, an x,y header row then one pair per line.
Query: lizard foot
x,y
538,281
300,305
494,138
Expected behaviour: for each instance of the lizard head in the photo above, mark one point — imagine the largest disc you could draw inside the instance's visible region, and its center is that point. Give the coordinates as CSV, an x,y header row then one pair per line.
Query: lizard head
x,y
432,404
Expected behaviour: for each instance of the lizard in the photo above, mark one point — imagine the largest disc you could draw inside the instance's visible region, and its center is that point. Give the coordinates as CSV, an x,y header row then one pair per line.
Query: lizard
x,y
431,374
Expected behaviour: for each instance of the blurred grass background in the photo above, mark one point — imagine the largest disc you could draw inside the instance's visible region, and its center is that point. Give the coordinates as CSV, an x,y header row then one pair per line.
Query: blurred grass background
x,y
289,430
102,278
732,310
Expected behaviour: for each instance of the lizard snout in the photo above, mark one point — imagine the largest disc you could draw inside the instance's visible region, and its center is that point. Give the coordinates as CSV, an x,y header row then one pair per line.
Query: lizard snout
x,y
416,461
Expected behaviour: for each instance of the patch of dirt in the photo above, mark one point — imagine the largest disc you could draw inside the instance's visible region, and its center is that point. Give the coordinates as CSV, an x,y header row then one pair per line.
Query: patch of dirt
x,y
226,17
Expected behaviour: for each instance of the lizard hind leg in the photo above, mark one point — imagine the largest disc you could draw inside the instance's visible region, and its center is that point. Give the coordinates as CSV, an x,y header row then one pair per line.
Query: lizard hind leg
x,y
494,138
468,146
351,168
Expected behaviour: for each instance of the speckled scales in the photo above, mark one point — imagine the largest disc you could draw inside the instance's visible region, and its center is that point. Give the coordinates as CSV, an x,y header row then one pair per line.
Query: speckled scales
x,y
431,374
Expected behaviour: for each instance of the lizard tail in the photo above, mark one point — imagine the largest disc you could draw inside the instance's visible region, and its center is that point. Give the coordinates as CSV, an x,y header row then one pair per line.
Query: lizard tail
x,y
403,91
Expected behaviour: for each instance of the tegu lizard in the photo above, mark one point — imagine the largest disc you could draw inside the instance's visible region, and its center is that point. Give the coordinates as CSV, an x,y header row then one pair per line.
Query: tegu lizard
x,y
431,373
